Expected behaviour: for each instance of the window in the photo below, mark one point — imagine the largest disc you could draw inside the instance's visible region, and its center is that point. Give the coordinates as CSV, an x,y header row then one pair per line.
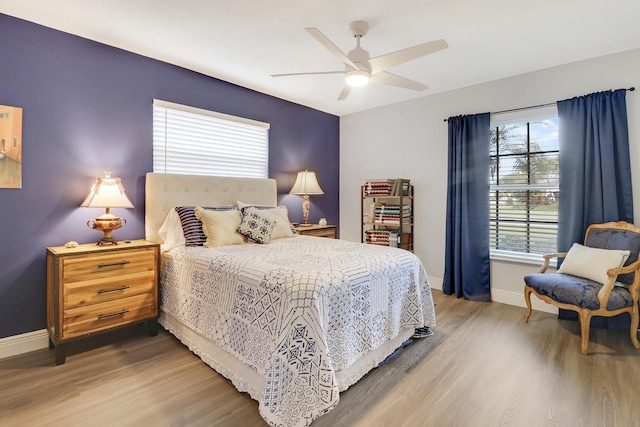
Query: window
x,y
190,140
524,186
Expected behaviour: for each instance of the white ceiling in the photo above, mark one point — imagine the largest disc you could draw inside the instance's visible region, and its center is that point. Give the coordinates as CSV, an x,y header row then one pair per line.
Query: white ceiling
x,y
245,41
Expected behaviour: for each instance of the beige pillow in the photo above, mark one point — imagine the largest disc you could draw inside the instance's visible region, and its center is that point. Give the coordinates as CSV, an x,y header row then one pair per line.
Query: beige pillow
x,y
220,227
280,215
592,263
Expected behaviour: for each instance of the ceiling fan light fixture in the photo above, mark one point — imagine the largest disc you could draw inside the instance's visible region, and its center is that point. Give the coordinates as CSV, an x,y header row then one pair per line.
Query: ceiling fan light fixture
x,y
357,78
360,68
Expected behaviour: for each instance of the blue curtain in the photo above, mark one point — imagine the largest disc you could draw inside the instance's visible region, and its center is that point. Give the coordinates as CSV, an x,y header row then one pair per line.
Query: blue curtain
x,y
595,168
467,267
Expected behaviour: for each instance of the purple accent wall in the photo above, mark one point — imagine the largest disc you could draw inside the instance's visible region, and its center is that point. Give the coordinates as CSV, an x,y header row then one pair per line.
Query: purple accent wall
x,y
88,108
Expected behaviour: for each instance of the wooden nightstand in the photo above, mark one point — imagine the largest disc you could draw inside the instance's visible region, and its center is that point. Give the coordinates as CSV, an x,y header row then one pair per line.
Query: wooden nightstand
x,y
318,231
93,288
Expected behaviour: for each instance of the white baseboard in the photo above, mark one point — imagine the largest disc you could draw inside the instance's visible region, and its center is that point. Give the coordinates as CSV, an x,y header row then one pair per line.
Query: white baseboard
x,y
435,283
506,297
517,299
23,343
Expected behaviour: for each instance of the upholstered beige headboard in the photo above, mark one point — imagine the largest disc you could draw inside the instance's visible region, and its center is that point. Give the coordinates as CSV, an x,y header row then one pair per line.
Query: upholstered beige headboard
x,y
165,191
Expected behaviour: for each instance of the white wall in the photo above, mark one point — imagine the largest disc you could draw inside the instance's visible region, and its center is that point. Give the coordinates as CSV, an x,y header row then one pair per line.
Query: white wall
x,y
409,140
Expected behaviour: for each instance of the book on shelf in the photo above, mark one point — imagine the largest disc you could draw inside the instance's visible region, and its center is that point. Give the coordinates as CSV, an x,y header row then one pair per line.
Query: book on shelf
x,y
377,237
395,209
391,214
387,187
379,187
387,217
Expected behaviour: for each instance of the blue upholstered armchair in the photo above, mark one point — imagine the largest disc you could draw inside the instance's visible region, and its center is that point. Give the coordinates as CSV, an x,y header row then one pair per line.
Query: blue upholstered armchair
x,y
601,278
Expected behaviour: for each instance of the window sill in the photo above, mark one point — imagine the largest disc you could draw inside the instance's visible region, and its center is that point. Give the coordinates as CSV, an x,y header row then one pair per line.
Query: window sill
x,y
515,257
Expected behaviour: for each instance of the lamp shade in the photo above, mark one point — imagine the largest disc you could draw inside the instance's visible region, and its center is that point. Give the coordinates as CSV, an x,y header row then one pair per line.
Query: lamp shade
x,y
107,192
306,183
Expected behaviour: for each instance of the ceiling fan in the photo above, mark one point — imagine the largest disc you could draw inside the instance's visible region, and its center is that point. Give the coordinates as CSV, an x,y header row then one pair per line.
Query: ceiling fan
x,y
359,69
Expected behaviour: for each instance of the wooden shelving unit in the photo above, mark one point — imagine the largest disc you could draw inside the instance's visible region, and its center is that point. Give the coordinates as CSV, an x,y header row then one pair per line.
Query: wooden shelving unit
x,y
395,227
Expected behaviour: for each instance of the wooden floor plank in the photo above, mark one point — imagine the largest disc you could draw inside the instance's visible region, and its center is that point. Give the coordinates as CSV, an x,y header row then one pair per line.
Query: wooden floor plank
x,y
483,367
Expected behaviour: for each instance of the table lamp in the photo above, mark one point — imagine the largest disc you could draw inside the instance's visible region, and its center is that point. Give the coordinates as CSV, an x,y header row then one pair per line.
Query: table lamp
x,y
107,192
306,184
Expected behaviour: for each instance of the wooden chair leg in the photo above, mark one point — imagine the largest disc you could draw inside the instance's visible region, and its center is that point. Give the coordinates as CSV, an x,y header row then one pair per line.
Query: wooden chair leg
x,y
527,299
585,320
634,329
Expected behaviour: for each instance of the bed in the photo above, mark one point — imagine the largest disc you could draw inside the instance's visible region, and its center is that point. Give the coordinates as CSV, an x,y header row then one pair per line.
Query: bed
x,y
293,322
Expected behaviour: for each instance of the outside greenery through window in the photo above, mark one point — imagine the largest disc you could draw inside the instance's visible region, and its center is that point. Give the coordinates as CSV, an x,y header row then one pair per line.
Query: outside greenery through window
x,y
524,186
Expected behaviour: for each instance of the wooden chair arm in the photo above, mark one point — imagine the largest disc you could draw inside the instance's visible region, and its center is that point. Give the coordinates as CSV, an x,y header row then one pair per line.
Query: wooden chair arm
x,y
613,273
548,258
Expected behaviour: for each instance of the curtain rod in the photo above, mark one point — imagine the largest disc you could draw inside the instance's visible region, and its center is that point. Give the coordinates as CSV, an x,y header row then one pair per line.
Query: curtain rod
x,y
631,89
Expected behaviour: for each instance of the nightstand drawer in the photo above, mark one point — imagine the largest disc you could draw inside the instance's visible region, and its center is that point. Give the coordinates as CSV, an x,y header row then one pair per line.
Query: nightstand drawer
x,y
108,264
97,317
103,289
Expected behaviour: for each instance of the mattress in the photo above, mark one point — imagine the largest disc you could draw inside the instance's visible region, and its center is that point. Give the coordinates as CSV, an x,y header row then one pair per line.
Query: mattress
x,y
296,321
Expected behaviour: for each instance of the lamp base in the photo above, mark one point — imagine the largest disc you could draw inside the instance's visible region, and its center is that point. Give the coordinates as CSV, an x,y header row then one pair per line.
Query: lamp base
x,y
106,223
305,211
107,241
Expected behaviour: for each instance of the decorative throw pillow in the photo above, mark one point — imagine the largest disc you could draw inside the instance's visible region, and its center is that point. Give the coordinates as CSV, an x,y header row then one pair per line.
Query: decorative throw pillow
x,y
220,227
592,263
255,226
279,215
191,227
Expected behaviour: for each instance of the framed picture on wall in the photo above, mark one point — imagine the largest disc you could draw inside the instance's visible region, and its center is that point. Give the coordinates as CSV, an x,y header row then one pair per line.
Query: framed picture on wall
x,y
10,147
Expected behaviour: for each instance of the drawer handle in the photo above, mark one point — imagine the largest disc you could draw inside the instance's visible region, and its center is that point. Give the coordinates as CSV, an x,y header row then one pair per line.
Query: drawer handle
x,y
117,313
119,288
111,264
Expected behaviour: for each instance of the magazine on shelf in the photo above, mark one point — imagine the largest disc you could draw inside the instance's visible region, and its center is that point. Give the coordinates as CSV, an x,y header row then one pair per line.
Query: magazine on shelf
x,y
401,187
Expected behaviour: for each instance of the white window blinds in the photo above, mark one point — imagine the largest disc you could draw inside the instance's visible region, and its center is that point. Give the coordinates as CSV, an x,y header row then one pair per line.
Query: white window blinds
x,y
188,140
524,184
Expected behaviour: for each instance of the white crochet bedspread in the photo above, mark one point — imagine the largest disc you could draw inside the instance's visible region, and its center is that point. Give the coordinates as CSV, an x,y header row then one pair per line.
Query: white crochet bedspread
x,y
297,311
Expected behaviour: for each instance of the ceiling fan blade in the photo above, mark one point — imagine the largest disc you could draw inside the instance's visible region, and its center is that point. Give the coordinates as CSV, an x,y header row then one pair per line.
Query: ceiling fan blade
x,y
306,74
384,62
345,92
387,78
328,44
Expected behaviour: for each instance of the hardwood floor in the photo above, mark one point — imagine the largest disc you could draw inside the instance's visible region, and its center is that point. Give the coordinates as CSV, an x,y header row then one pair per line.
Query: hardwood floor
x,y
483,367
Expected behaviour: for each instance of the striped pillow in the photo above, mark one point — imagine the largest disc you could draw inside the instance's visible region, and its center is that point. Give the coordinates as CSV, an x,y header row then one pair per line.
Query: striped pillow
x,y
192,227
